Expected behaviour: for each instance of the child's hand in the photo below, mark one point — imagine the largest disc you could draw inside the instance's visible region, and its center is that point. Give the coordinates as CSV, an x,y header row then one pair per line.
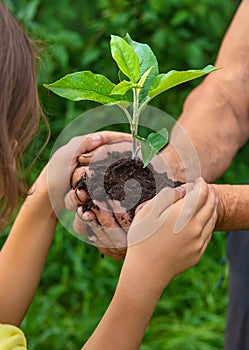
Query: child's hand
x,y
164,240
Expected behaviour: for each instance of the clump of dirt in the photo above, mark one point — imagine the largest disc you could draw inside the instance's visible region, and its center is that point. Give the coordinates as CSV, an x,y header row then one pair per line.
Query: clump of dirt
x,y
123,179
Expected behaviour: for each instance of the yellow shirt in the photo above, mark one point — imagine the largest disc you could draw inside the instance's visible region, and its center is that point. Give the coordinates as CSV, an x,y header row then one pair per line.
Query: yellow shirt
x,y
12,338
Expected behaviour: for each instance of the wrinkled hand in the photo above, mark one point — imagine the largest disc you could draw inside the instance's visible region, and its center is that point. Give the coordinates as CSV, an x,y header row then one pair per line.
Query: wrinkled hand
x,y
171,237
106,224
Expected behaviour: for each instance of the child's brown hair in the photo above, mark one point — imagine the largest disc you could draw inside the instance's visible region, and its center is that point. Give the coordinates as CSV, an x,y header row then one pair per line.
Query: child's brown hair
x,y
19,107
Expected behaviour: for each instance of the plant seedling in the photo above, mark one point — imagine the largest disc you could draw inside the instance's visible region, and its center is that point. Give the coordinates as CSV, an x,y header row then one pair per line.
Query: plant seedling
x,y
140,82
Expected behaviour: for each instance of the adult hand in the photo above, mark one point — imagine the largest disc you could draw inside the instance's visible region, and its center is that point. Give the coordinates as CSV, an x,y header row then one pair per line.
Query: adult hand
x,y
107,222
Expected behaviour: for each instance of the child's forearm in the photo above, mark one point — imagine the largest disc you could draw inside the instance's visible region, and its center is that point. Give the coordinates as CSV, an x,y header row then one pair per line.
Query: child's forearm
x,y
124,323
233,207
23,256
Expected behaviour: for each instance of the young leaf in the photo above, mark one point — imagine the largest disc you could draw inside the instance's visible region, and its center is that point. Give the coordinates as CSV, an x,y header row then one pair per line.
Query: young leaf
x,y
158,139
147,59
125,57
123,87
163,82
85,86
152,144
144,77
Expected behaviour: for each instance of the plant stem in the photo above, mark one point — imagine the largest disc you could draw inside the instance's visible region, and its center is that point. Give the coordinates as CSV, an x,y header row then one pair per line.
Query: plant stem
x,y
134,145
135,119
126,113
143,105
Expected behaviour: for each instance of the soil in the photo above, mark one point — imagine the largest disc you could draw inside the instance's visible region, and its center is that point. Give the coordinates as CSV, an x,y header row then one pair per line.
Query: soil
x,y
123,179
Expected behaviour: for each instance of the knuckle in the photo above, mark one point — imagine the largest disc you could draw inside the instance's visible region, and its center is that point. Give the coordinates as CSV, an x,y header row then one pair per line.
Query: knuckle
x,y
198,229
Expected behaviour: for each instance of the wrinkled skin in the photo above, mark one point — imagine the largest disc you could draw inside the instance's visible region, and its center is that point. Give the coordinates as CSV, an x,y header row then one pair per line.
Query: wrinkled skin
x,y
105,225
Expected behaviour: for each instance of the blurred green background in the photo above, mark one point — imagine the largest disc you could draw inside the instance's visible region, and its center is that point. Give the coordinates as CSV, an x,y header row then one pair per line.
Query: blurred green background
x,y
77,284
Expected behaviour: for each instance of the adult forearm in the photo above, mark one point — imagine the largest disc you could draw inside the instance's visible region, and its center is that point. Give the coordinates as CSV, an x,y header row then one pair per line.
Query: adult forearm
x,y
216,114
23,256
233,207
216,134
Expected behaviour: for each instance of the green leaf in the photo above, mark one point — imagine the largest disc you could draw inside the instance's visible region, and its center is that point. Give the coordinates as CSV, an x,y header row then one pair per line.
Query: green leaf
x,y
158,139
144,77
146,149
123,87
121,76
147,59
152,144
163,82
125,57
85,86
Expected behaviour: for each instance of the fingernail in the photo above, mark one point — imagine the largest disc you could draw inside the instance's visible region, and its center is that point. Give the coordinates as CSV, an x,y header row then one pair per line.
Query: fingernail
x,y
96,137
199,179
92,238
181,190
77,192
217,200
85,217
89,155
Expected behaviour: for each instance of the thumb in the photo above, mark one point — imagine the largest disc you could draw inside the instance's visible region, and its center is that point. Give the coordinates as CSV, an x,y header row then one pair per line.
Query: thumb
x,y
140,206
179,192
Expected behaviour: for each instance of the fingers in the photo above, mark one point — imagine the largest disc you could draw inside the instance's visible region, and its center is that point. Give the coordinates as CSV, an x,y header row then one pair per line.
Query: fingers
x,y
89,218
117,254
80,145
209,225
71,201
198,196
167,197
90,142
193,202
109,226
113,136
107,231
121,215
79,172
186,210
205,221
98,139
86,224
209,208
161,201
74,199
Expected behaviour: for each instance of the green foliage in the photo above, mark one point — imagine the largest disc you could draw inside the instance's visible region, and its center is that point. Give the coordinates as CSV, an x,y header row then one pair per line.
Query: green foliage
x,y
125,57
163,82
148,66
77,284
86,86
96,87
154,142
